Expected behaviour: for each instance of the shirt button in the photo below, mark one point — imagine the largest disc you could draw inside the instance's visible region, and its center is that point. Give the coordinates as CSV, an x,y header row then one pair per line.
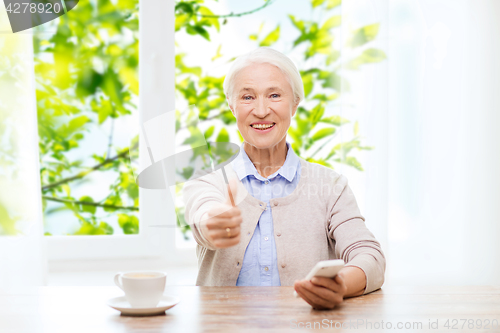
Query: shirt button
x,y
266,269
283,266
267,182
238,263
266,238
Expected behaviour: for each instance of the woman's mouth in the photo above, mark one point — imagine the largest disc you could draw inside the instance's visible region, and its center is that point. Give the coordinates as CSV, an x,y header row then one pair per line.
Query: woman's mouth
x,y
262,127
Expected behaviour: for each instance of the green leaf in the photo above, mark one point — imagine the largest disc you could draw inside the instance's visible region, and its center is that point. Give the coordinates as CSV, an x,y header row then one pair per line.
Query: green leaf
x,y
66,189
212,21
320,161
316,113
316,3
133,190
196,139
184,7
368,56
181,20
352,161
298,23
364,35
187,172
223,136
356,128
271,38
7,222
73,125
209,132
104,111
217,54
334,120
332,22
198,29
114,200
88,228
86,208
112,87
88,82
333,3
308,81
104,229
323,133
240,136
326,98
128,223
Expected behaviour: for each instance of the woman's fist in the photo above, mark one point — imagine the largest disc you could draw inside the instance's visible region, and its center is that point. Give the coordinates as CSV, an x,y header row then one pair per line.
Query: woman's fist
x,y
222,227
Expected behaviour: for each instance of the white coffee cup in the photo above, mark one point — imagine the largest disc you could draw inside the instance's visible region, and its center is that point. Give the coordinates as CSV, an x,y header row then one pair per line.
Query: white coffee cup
x,y
142,289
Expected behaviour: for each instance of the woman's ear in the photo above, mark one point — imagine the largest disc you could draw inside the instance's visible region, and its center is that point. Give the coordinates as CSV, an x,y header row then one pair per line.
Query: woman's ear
x,y
229,103
295,106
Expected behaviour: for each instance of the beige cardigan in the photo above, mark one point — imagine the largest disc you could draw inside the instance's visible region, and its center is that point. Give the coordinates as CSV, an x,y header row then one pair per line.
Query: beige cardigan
x,y
319,220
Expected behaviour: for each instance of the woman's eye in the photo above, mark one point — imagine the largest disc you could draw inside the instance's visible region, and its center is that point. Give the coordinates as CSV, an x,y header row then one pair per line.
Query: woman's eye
x,y
247,98
275,95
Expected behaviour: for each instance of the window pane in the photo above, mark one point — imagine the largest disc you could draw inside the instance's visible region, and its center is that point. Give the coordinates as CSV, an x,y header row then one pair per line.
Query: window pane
x,y
86,68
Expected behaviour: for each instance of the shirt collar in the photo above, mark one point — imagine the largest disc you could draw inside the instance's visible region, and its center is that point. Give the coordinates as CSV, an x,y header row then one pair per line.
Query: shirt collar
x,y
244,167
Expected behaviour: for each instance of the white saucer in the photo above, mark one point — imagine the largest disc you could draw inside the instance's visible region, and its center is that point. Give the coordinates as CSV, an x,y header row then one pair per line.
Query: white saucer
x,y
121,304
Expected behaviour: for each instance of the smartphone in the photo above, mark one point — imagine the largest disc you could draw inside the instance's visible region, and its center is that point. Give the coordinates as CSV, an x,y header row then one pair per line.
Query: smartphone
x,y
325,268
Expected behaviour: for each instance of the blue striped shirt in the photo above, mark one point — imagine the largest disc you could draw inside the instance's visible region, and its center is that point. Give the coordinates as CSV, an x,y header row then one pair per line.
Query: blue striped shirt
x,y
260,264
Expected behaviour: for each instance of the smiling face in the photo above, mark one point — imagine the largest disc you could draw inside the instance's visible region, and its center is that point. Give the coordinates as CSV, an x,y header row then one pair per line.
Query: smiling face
x,y
263,104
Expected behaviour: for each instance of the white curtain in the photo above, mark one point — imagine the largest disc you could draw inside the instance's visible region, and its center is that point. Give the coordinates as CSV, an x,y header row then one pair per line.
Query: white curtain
x,y
22,260
431,187
443,184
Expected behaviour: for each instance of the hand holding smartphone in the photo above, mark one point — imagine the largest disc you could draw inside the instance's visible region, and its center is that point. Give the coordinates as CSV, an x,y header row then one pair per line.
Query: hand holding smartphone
x,y
325,268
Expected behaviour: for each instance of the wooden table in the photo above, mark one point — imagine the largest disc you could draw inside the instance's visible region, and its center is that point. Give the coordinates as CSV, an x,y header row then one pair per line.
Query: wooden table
x,y
232,309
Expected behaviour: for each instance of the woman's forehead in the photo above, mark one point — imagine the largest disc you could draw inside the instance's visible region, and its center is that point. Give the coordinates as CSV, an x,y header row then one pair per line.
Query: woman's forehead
x,y
261,68
261,77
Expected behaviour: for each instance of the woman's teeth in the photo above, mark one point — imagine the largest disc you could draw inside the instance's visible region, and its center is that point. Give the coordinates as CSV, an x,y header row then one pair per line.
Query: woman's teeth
x,y
262,126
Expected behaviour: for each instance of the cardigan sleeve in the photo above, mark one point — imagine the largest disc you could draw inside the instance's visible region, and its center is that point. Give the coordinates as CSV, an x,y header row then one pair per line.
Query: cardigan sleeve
x,y
354,242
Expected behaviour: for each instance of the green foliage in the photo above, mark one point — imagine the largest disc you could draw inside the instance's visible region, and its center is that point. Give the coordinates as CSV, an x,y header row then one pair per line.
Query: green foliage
x,y
7,222
86,76
363,35
368,56
271,38
129,223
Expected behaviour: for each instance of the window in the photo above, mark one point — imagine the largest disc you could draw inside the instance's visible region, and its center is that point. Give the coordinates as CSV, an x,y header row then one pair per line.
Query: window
x,y
109,84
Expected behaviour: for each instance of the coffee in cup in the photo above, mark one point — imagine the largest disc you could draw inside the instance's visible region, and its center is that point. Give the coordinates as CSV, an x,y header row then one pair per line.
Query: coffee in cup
x,y
142,289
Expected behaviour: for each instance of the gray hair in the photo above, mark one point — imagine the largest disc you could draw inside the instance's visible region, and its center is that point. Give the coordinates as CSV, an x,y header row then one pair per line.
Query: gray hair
x,y
267,55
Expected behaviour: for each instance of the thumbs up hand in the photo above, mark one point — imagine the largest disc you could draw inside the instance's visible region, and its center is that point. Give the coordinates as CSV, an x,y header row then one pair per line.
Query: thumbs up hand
x,y
222,228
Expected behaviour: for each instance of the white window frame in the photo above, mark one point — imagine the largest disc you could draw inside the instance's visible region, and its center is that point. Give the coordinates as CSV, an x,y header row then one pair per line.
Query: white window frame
x,y
153,246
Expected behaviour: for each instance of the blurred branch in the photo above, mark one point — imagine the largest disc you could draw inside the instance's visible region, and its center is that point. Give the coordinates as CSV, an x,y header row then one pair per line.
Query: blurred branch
x,y
213,117
94,168
207,119
323,145
86,203
268,2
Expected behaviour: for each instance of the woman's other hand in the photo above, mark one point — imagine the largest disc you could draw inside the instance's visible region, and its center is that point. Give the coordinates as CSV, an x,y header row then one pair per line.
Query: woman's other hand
x,y
324,293
222,228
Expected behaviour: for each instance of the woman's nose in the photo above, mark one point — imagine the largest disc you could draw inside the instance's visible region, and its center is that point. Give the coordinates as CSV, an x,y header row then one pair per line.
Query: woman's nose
x,y
261,110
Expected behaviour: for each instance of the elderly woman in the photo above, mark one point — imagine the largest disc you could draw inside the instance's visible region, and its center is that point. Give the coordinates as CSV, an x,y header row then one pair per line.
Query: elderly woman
x,y
288,213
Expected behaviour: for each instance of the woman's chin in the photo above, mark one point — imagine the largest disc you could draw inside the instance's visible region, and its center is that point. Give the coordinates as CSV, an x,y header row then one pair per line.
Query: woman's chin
x,y
262,143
